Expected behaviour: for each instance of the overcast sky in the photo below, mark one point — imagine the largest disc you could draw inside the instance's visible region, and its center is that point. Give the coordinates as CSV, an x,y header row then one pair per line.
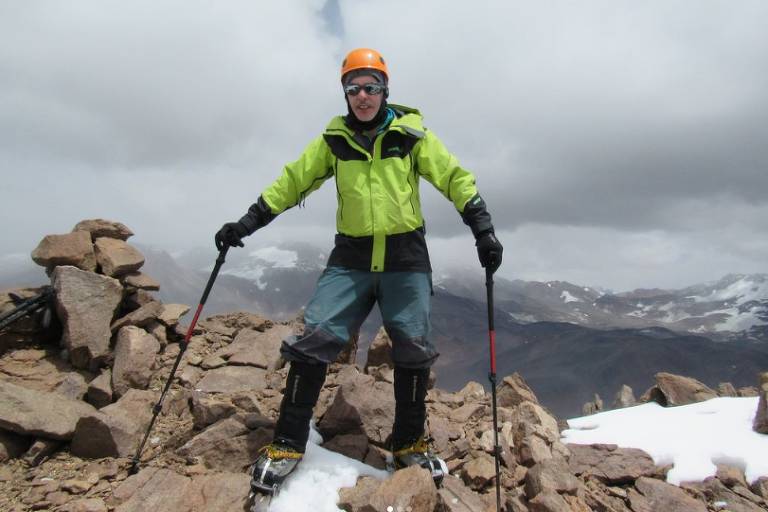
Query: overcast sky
x,y
617,143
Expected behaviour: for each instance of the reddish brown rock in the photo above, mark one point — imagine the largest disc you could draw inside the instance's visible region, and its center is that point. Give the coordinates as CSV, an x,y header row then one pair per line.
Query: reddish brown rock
x,y
760,423
454,496
135,352
164,490
656,496
73,249
360,405
140,281
513,391
354,446
671,390
86,303
610,464
380,351
115,430
98,228
550,474
116,257
408,489
35,413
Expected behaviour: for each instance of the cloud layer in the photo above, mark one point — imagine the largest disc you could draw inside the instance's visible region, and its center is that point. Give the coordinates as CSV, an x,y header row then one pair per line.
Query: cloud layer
x,y
619,144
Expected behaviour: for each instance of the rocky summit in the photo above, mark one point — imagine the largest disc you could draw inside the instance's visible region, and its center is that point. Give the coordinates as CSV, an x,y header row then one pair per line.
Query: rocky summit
x,y
79,380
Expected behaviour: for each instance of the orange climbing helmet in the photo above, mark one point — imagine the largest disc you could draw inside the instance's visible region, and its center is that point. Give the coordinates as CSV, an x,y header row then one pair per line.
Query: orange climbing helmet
x,y
364,58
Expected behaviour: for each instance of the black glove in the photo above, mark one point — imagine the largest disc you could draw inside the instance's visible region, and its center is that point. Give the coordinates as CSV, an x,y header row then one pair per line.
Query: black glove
x,y
230,235
489,251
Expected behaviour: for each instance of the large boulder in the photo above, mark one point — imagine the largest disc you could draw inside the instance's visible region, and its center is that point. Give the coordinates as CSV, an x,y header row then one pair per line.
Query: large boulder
x,y
230,445
256,348
550,474
654,495
671,390
115,430
163,490
99,228
75,249
116,257
408,489
513,391
454,496
610,464
86,303
760,423
361,404
625,397
135,353
36,413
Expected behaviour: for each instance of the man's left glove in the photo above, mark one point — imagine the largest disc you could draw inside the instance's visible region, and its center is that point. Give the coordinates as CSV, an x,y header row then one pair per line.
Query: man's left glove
x,y
489,250
231,235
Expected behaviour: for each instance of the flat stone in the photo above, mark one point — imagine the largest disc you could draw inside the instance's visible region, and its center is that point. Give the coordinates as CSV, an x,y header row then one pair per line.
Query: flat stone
x,y
171,313
141,281
454,496
231,379
73,249
141,317
610,464
35,413
654,495
99,228
116,257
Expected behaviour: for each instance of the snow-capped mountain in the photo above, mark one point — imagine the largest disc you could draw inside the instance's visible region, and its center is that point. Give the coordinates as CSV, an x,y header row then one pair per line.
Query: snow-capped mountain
x,y
735,306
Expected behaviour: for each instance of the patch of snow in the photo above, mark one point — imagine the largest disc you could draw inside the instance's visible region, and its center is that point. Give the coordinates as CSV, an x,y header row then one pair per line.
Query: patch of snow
x,y
279,258
315,484
567,297
693,438
642,312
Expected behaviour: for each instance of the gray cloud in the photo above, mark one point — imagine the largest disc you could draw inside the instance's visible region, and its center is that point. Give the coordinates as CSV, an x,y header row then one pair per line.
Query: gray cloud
x,y
615,142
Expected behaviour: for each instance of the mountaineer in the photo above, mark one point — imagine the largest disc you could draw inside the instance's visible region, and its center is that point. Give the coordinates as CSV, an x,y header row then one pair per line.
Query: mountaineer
x,y
376,154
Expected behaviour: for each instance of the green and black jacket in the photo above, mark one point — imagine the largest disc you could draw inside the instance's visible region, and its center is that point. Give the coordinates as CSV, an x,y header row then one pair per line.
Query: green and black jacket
x,y
379,222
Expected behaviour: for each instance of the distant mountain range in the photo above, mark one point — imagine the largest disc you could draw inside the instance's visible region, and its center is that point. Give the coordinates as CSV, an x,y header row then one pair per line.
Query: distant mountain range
x,y
568,341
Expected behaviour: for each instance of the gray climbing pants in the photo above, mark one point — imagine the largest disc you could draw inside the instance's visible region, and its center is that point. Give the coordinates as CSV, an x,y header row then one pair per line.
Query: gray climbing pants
x,y
341,302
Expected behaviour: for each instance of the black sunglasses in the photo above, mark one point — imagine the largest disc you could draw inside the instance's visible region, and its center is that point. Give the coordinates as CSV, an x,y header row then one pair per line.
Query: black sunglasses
x,y
371,89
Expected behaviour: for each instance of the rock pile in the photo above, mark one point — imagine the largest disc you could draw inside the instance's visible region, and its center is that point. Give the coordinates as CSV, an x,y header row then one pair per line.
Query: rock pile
x,y
71,415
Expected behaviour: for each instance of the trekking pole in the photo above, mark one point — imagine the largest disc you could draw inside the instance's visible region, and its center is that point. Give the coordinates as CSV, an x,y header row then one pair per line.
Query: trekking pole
x,y
183,347
492,378
27,307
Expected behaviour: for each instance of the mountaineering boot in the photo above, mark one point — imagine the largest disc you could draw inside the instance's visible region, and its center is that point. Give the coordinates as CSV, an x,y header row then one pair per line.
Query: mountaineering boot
x,y
419,453
273,465
278,459
407,442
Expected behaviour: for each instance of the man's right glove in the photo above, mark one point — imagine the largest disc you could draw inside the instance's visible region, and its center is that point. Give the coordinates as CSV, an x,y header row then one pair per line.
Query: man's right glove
x,y
489,250
230,235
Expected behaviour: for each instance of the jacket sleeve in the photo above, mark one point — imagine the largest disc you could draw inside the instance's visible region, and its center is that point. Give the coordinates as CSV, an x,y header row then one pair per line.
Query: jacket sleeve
x,y
300,178
442,170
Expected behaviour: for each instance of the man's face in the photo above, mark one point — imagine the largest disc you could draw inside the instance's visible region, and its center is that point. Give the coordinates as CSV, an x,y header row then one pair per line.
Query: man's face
x,y
365,106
